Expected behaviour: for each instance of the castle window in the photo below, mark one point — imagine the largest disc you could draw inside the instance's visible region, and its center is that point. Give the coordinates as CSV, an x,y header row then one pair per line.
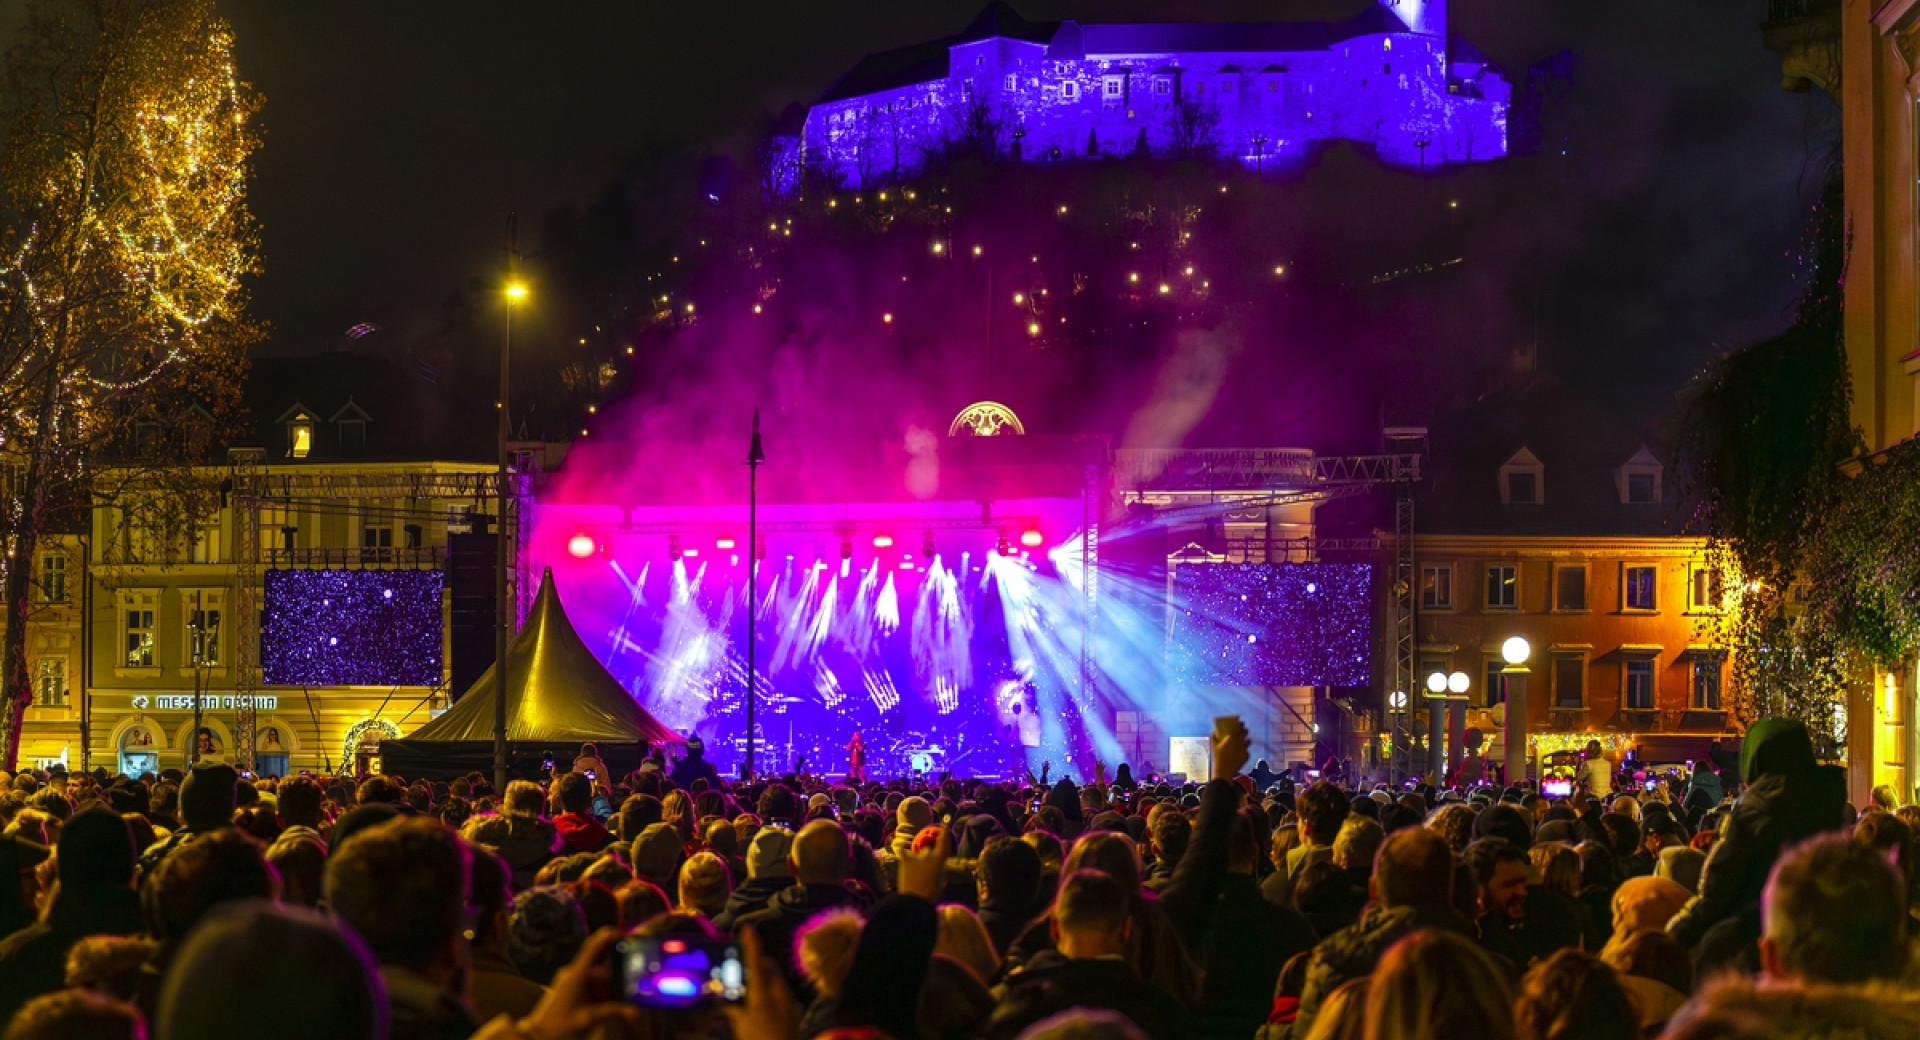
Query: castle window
x,y
1163,85
1069,91
1226,86
1114,86
1013,81
1386,45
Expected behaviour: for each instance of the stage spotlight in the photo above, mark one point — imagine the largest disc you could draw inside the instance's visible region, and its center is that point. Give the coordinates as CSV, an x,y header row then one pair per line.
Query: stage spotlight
x,y
760,550
1004,546
846,566
846,548
1031,538
927,548
691,553
724,543
883,541
581,546
673,547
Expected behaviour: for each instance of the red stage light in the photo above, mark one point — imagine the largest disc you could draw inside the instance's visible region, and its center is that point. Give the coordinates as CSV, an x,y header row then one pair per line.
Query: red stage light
x,y
581,546
724,544
1031,539
883,541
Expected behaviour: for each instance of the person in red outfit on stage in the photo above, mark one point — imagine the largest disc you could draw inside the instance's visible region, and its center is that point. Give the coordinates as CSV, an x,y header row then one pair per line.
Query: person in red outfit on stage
x,y
856,758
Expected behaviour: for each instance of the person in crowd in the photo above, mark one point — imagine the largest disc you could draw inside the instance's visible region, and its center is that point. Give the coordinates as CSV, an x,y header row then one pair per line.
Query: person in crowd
x,y
694,767
1412,889
1656,973
1596,772
589,764
1436,983
76,1015
206,804
1834,910
92,895
1789,798
1322,808
767,875
254,962
1499,871
545,929
532,840
820,861
656,855
579,830
965,939
495,985
1007,877
404,885
1574,995
1088,967
1171,833
704,885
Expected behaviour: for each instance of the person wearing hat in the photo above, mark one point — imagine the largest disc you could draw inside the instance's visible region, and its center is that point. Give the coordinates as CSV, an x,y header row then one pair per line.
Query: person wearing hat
x,y
695,767
208,796
656,854
1789,798
93,895
767,876
18,886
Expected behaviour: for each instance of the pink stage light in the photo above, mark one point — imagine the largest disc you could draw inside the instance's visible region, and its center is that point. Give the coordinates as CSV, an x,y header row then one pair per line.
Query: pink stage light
x,y
883,541
1031,538
724,544
581,546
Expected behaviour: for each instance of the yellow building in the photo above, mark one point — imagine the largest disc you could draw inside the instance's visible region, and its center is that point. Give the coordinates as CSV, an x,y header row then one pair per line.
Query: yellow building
x,y
360,469
1866,53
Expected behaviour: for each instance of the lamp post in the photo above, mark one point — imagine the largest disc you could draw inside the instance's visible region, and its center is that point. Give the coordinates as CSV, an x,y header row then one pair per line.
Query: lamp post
x,y
1436,724
515,291
755,456
1397,701
1513,687
1457,685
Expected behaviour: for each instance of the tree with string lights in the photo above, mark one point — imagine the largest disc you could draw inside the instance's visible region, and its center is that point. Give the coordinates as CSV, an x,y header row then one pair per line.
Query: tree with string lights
x,y
124,241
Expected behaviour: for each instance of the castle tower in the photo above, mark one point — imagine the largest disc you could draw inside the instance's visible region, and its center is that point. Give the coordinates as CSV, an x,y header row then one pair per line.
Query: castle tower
x,y
1422,16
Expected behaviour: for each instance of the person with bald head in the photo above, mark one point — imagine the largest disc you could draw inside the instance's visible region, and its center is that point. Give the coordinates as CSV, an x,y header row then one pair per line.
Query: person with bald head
x,y
820,860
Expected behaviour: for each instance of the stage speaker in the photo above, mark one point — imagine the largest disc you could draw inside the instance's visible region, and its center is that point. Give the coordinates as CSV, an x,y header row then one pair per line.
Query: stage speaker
x,y
471,586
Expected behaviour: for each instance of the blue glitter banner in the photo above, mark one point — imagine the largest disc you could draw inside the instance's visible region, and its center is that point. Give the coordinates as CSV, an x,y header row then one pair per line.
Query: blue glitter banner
x,y
352,628
1287,624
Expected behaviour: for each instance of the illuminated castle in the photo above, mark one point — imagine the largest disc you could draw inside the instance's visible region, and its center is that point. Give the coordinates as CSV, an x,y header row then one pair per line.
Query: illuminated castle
x,y
1265,93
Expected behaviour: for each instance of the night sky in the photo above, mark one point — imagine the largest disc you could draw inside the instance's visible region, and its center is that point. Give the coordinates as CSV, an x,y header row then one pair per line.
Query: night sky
x,y
399,134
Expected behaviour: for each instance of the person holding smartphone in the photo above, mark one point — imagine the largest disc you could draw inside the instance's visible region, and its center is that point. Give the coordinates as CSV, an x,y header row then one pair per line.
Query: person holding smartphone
x,y
1597,772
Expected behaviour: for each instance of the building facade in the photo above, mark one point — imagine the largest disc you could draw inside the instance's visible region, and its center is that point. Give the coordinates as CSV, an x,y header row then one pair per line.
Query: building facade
x,y
1863,53
1265,94
362,471
1546,518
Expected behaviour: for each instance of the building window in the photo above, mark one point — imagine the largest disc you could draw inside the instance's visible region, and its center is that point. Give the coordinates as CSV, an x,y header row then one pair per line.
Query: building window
x,y
1494,686
1226,86
1503,586
1704,592
353,436
1114,86
278,528
1569,682
53,577
1013,82
1069,91
136,630
299,439
1639,590
51,688
1523,480
966,89
1436,587
1640,684
1706,682
202,635
1273,86
1162,85
1640,488
1522,489
1570,587
206,544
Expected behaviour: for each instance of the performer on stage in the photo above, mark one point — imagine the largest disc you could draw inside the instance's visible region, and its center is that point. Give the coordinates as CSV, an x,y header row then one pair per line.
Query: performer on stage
x,y
856,758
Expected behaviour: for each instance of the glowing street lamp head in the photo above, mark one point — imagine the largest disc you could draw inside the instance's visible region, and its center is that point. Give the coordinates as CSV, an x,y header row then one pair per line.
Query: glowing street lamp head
x,y
1458,682
516,291
1437,682
1516,650
581,546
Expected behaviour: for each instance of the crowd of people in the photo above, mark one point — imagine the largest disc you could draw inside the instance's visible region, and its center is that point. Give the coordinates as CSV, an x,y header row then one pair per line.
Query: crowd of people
x,y
200,904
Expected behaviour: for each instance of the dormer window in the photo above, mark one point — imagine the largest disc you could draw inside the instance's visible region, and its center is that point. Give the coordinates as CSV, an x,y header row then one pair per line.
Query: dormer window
x,y
1638,479
350,422
300,425
1523,480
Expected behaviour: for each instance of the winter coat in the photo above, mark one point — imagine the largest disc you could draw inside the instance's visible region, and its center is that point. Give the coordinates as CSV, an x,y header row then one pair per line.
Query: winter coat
x,y
1875,1011
1774,814
1354,952
750,897
528,847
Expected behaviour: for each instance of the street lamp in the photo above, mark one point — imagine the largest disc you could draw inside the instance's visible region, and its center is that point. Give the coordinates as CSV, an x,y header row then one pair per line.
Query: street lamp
x,y
1513,685
515,292
1458,682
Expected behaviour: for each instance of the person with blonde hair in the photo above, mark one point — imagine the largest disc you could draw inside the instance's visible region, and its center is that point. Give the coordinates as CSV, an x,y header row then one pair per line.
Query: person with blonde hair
x,y
1574,996
965,939
1436,983
704,885
1344,1015
1558,866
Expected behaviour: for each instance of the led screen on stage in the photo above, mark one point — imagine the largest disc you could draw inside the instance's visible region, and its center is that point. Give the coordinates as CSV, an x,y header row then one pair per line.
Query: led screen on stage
x,y
1286,624
351,628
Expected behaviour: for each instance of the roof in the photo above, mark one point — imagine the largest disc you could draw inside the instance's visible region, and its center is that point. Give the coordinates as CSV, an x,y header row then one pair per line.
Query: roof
x,y
406,419
1579,445
557,691
925,62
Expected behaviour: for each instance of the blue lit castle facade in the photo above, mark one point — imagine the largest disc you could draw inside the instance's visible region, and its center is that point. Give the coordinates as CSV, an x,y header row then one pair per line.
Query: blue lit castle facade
x,y
1266,94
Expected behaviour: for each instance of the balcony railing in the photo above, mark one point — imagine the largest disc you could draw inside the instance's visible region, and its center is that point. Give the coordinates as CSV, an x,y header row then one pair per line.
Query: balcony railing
x,y
421,557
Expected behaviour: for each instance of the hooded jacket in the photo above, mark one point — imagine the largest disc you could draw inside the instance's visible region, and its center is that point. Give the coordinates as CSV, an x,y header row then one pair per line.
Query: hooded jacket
x,y
528,847
1790,798
751,897
1875,1011
1356,951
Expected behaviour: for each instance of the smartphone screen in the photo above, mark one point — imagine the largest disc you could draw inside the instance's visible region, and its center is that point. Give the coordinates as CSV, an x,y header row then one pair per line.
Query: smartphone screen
x,y
1556,788
678,972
